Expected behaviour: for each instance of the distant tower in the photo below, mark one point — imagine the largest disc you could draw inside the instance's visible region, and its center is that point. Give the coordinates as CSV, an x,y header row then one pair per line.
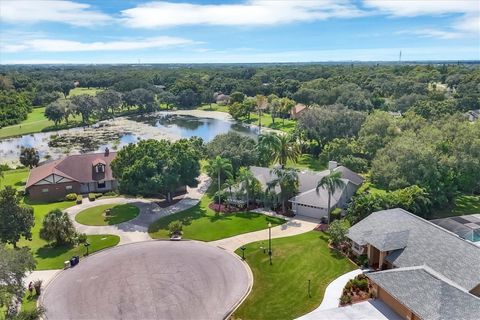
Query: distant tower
x,y
400,57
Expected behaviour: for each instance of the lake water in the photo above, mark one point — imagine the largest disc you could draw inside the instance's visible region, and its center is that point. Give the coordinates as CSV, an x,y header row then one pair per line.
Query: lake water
x,y
119,132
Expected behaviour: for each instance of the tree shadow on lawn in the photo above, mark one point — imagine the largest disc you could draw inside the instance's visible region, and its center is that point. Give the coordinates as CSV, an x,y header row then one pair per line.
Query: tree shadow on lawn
x,y
185,217
334,253
50,251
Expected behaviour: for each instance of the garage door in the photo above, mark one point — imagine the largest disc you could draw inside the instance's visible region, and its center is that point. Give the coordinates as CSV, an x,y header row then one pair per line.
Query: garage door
x,y
311,212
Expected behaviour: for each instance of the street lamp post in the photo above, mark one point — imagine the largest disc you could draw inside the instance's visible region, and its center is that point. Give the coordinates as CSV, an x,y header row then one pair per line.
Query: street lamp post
x,y
86,244
243,252
270,241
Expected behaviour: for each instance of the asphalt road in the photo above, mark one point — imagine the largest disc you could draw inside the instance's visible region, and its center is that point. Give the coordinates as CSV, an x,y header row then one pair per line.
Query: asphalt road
x,y
149,280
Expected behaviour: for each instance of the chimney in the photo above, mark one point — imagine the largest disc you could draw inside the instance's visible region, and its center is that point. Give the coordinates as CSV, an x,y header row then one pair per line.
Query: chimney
x,y
107,152
332,165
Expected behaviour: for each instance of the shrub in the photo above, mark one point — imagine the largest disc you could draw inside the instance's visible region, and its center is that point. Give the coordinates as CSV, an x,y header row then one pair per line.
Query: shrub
x,y
58,228
345,299
110,194
92,197
81,238
71,197
336,214
79,199
175,228
98,195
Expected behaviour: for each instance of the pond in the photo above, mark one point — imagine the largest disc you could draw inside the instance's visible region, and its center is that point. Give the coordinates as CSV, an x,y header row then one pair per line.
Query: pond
x,y
119,132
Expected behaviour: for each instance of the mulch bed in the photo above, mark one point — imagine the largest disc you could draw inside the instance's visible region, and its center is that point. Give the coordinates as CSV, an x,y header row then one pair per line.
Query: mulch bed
x,y
321,227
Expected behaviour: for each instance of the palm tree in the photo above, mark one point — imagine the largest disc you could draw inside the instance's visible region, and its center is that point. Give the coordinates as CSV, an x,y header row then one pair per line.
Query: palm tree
x,y
287,149
246,180
218,167
287,180
331,183
57,227
261,102
281,147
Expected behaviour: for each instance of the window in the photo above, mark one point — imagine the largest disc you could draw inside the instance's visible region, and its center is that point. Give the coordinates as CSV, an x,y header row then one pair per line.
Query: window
x,y
45,190
101,185
68,187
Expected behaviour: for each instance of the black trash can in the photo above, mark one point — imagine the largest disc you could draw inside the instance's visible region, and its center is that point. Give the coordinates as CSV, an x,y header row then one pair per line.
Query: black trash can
x,y
74,261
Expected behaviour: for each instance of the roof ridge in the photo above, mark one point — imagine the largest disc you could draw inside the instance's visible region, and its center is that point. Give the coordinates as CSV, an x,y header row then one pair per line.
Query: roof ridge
x,y
434,225
433,273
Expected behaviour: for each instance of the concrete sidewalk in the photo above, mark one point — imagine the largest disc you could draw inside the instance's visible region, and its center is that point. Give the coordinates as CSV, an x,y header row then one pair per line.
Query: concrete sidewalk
x,y
292,227
332,295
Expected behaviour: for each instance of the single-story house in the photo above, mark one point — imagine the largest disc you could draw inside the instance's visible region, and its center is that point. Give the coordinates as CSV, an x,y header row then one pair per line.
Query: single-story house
x,y
428,272
308,202
297,110
82,173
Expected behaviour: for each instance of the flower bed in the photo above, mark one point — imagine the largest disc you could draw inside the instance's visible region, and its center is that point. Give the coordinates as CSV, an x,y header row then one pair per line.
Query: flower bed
x,y
357,290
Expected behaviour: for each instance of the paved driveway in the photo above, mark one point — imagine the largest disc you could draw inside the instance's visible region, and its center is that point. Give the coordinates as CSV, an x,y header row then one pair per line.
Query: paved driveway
x,y
137,229
367,310
150,280
292,227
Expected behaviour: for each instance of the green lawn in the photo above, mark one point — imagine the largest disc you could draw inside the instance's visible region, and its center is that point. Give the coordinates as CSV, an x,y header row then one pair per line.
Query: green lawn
x,y
286,125
463,204
16,178
119,213
48,257
307,162
52,258
35,122
280,291
29,301
202,223
77,91
214,107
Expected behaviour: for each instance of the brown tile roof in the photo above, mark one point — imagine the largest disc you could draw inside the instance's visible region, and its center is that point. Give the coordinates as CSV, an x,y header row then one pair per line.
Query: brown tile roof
x,y
299,108
75,167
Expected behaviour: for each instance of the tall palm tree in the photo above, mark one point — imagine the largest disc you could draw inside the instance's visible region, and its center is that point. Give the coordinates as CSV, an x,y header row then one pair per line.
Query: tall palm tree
x,y
287,180
246,180
331,183
218,167
287,149
261,104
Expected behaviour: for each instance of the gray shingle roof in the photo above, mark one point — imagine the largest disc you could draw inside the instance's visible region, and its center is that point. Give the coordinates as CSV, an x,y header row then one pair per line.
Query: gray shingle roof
x,y
427,244
428,294
307,184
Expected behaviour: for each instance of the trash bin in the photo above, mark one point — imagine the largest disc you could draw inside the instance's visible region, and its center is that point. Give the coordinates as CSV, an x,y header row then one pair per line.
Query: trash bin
x,y
66,264
74,261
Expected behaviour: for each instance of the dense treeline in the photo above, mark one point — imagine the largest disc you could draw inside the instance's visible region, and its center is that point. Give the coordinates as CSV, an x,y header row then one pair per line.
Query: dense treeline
x,y
358,87
403,125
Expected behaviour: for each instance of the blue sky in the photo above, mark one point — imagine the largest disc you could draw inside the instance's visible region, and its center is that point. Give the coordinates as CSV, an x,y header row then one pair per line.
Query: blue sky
x,y
188,31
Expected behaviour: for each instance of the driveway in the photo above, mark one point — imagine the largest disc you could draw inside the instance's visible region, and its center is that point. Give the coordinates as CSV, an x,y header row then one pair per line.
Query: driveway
x,y
367,310
150,280
292,227
137,229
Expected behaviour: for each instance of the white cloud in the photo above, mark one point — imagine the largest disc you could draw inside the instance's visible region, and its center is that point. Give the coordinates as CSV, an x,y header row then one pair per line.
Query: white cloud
x,y
250,13
58,45
69,12
467,24
412,8
433,33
